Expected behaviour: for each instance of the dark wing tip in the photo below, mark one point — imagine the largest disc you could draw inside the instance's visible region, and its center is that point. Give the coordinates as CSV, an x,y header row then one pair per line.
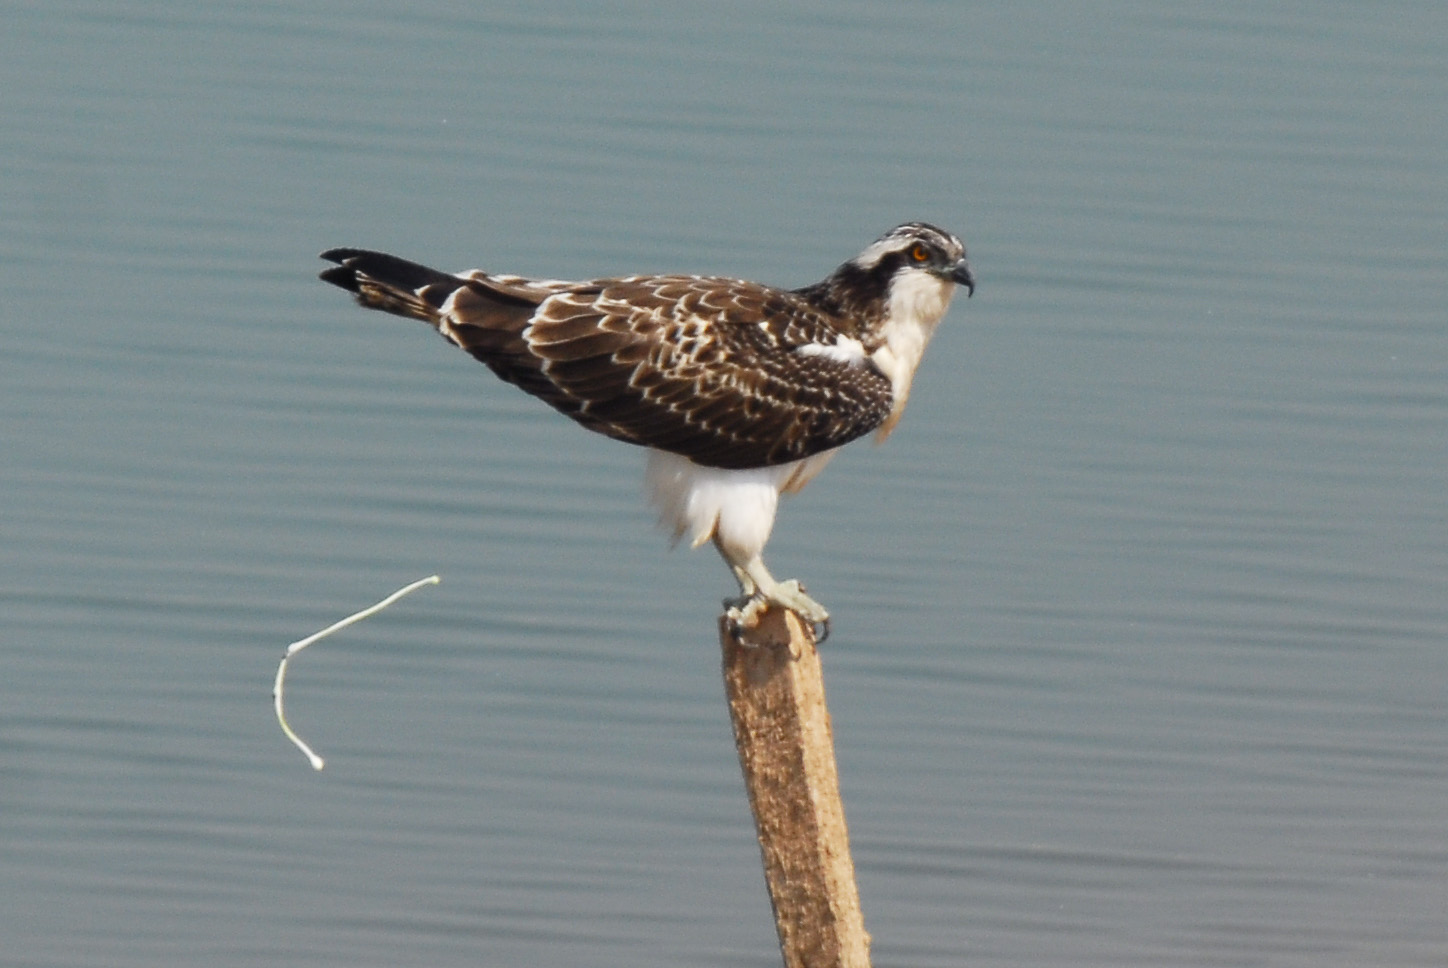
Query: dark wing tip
x,y
344,273
340,255
343,277
355,265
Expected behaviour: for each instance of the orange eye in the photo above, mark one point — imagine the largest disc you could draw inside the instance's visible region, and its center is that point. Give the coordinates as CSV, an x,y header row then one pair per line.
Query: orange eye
x,y
919,253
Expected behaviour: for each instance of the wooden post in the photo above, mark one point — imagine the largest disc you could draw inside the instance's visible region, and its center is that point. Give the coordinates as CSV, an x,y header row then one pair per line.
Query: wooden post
x,y
782,729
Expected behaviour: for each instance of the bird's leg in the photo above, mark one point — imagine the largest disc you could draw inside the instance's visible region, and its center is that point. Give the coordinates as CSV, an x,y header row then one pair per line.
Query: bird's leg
x,y
759,590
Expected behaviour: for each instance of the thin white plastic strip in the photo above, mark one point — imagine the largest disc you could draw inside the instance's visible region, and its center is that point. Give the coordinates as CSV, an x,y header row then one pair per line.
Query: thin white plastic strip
x,y
316,761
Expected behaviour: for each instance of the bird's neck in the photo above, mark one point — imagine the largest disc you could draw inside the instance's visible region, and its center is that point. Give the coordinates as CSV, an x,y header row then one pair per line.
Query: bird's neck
x,y
892,314
855,297
915,307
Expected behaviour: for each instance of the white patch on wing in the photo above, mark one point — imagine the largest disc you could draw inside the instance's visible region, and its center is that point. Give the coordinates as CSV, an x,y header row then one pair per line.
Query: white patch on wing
x,y
844,350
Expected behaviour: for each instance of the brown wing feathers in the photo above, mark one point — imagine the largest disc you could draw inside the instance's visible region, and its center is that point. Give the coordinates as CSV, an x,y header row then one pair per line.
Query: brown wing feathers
x,y
705,368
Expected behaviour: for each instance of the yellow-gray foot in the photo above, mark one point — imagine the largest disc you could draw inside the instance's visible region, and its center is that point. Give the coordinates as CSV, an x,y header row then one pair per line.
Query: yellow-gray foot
x,y
744,613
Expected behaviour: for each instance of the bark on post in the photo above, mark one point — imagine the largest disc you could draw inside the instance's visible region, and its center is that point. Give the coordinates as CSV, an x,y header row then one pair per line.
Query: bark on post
x,y
782,729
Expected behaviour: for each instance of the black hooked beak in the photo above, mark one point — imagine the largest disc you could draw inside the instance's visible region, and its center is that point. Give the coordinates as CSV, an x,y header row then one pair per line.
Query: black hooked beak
x,y
960,274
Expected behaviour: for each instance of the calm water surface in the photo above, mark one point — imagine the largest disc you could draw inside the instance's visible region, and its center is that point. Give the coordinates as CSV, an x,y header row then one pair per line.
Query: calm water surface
x,y
1139,652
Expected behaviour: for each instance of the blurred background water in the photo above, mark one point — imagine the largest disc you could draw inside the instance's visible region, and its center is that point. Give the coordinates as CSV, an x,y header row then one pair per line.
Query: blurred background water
x,y
1139,646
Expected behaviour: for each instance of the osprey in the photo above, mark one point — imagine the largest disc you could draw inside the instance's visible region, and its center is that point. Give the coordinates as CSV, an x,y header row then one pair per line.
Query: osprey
x,y
741,392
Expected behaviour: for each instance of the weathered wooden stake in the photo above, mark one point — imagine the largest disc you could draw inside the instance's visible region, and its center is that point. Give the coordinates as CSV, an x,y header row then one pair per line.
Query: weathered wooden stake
x,y
782,729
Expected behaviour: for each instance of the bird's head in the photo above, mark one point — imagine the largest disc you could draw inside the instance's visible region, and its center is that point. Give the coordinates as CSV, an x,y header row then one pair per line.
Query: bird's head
x,y
914,268
913,253
907,275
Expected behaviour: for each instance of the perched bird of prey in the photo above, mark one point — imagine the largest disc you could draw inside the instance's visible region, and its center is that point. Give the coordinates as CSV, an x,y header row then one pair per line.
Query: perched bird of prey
x,y
741,392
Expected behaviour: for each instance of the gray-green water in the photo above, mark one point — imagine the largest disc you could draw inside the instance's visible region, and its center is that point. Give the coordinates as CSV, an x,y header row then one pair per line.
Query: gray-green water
x,y
1139,651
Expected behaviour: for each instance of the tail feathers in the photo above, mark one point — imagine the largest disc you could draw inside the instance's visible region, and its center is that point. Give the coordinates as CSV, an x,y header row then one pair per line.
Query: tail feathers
x,y
483,315
394,285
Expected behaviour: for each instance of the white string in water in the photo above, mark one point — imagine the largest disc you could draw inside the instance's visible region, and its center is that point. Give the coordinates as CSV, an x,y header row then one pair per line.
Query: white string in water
x,y
316,761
